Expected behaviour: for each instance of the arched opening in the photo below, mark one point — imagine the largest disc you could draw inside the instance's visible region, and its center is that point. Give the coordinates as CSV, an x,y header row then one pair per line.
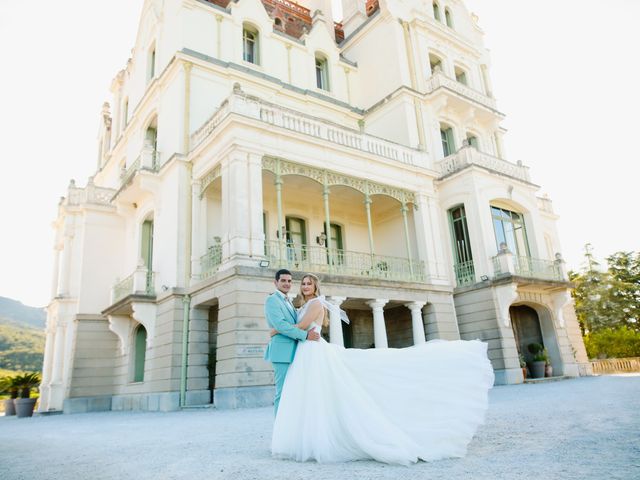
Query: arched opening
x,y
436,63
461,75
250,44
448,18
140,351
526,329
436,11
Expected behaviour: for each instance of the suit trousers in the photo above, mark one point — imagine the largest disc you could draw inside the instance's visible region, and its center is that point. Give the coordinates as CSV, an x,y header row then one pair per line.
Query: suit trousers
x,y
280,372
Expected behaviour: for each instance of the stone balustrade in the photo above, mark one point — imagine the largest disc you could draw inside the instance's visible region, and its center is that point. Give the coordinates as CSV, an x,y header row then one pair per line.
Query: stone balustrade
x,y
468,156
440,80
254,108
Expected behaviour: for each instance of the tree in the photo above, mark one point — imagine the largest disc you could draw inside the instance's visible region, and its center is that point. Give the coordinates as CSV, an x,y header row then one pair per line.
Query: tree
x,y
624,272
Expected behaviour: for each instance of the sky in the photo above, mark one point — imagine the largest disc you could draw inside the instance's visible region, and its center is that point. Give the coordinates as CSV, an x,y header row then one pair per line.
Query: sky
x,y
565,73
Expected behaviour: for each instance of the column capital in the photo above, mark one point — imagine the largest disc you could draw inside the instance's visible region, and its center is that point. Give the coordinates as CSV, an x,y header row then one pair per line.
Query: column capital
x,y
415,305
378,303
337,301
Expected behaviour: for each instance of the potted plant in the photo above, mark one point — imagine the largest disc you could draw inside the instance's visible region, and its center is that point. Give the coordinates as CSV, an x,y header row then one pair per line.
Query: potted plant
x,y
24,404
7,385
548,369
523,366
539,360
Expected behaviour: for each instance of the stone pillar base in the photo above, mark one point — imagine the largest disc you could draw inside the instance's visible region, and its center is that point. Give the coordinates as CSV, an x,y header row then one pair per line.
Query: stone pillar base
x,y
508,376
243,397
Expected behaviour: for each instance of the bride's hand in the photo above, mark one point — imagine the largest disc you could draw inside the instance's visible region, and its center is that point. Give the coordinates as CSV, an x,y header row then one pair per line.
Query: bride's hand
x,y
273,332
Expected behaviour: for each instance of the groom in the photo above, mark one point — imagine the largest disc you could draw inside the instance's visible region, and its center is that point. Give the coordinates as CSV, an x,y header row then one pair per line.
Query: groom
x,y
282,316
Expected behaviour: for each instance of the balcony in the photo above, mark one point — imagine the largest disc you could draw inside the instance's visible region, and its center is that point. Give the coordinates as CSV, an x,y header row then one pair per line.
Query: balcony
x,y
254,108
440,81
528,267
140,282
318,259
468,156
210,261
148,160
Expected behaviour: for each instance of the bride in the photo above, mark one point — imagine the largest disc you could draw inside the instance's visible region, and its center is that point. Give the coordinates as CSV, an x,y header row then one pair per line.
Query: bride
x,y
391,405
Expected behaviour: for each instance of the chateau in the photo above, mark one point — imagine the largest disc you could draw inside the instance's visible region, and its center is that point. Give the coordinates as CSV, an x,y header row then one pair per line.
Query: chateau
x,y
250,135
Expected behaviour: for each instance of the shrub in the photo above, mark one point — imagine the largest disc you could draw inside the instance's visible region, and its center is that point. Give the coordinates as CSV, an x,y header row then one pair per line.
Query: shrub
x,y
618,342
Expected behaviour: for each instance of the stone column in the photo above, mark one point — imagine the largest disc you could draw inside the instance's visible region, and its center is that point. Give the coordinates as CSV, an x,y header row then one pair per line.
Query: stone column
x,y
46,371
197,247
254,186
327,221
416,321
379,329
335,322
407,240
65,271
56,271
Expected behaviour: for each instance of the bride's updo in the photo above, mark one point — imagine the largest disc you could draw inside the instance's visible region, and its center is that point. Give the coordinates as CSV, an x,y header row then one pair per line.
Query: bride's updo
x,y
316,293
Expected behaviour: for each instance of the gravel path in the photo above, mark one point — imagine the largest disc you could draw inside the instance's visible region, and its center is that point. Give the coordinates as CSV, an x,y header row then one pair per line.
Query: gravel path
x,y
587,428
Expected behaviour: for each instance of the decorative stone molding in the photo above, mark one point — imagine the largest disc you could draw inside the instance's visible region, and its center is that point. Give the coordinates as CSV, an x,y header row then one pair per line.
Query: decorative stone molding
x,y
329,179
560,300
505,296
122,326
209,178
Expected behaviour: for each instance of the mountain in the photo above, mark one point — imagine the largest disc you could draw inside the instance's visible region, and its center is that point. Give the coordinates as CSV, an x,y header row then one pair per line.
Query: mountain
x,y
13,312
21,336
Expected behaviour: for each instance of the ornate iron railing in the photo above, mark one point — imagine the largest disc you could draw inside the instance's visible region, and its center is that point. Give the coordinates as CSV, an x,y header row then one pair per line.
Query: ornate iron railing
x,y
537,268
140,282
210,261
123,288
465,273
531,268
320,259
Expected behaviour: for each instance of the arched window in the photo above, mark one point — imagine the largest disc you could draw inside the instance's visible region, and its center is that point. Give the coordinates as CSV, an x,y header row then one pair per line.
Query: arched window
x,y
461,75
435,62
151,64
250,44
509,229
448,18
140,352
436,11
322,72
448,144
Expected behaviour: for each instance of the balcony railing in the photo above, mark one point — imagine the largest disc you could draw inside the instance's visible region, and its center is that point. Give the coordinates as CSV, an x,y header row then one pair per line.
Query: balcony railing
x,y
254,108
210,261
467,156
465,273
318,259
140,282
149,159
440,80
531,268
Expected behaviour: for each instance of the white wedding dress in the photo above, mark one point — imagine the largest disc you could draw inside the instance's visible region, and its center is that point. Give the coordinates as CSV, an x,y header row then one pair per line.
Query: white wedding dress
x,y
391,405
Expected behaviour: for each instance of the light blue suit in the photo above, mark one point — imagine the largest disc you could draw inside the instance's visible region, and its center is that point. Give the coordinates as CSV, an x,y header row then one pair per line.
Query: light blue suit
x,y
282,347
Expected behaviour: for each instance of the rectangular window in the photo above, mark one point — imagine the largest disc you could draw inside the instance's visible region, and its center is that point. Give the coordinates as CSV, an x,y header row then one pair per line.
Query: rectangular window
x,y
296,239
146,250
472,141
464,268
322,74
461,77
334,242
448,146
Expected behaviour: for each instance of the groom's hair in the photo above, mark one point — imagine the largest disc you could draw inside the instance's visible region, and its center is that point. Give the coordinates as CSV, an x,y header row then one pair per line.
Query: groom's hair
x,y
282,271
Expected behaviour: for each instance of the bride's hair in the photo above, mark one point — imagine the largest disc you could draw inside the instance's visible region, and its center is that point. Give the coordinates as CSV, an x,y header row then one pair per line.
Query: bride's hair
x,y
316,293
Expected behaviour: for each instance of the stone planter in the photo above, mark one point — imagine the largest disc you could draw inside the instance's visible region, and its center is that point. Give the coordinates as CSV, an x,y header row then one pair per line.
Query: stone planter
x,y
9,407
537,369
24,406
548,371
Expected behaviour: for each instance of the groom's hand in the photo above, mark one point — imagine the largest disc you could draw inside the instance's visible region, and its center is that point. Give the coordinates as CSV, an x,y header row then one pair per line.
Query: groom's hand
x,y
313,335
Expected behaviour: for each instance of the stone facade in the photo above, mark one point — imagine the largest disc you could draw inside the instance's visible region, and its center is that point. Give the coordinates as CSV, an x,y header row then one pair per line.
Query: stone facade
x,y
369,152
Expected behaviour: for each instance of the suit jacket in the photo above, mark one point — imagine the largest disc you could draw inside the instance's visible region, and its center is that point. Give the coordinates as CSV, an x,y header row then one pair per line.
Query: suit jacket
x,y
281,347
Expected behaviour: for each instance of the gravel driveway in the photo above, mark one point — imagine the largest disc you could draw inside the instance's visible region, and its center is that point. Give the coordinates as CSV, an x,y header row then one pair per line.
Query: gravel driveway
x,y
586,428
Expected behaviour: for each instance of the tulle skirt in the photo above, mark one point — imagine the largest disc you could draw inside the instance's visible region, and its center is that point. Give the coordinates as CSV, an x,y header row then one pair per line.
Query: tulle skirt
x,y
391,405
